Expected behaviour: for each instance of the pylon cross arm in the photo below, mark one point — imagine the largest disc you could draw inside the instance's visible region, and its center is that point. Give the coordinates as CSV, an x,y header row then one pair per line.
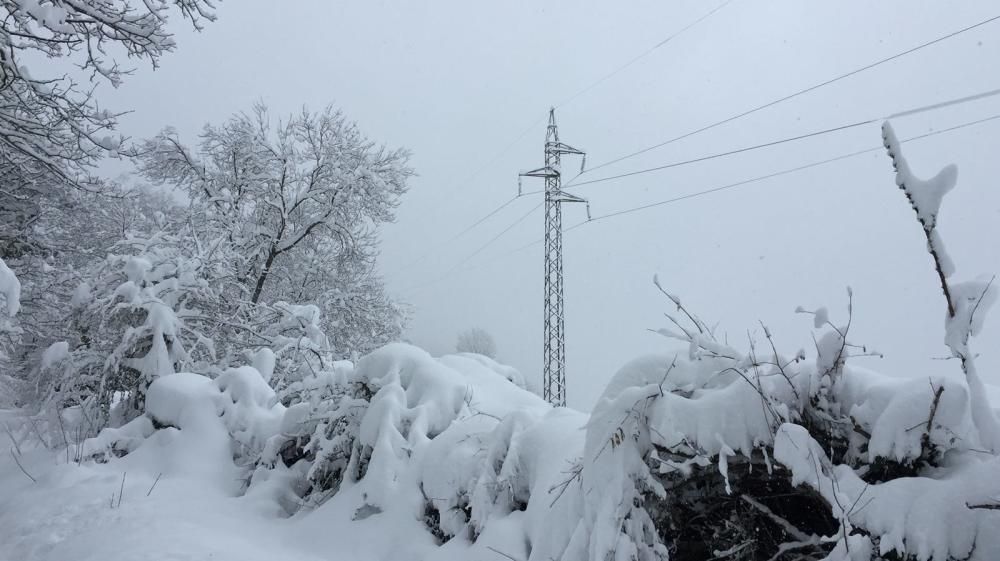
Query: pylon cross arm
x,y
564,197
563,148
546,172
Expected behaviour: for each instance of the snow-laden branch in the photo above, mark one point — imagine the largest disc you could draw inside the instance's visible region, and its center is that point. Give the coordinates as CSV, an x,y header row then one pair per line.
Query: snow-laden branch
x,y
967,302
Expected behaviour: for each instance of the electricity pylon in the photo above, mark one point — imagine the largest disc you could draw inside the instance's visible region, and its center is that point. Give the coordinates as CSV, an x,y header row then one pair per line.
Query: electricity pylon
x,y
554,360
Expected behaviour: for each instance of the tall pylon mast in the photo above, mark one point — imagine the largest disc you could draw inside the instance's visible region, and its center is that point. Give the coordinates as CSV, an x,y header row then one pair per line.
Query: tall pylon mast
x,y
554,354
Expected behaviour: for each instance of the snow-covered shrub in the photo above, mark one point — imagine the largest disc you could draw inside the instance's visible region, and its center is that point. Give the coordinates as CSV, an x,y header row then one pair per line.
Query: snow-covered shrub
x,y
233,415
57,240
677,460
131,327
711,452
295,337
318,435
722,454
373,421
476,340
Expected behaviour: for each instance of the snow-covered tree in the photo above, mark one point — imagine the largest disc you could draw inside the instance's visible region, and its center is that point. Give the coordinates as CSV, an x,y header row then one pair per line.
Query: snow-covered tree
x,y
300,200
51,122
476,340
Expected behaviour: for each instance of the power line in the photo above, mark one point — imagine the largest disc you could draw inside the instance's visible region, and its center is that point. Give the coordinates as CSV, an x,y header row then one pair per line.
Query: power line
x,y
795,94
723,187
479,250
459,234
689,196
728,153
500,153
906,113
644,54
718,123
777,174
944,104
531,127
496,237
954,128
483,219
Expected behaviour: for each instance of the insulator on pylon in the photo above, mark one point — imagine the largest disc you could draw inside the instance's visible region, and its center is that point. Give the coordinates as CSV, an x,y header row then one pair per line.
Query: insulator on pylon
x,y
583,163
588,211
519,186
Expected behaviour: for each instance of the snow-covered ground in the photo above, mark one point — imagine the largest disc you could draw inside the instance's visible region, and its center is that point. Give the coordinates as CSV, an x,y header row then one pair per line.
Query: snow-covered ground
x,y
73,513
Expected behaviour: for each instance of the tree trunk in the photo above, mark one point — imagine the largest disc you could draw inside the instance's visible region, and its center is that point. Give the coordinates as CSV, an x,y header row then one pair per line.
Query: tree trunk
x,y
263,275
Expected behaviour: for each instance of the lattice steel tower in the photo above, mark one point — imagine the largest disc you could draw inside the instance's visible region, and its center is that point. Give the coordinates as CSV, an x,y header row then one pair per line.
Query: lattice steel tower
x,y
554,360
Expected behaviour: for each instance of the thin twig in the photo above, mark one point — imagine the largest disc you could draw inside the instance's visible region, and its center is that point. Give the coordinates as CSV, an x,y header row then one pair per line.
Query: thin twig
x,y
24,471
62,429
979,301
155,481
984,506
777,360
787,526
38,433
121,490
12,439
934,406
667,373
498,552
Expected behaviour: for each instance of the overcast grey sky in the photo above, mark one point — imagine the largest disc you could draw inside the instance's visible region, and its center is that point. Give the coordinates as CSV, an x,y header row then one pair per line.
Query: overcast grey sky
x,y
456,82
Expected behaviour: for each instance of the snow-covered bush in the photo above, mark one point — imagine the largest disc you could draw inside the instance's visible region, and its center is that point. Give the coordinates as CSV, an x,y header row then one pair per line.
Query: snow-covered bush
x,y
297,342
476,340
137,320
346,422
223,424
722,454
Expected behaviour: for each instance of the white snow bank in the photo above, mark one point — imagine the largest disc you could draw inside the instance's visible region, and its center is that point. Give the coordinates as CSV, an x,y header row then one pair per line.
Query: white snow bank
x,y
132,510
